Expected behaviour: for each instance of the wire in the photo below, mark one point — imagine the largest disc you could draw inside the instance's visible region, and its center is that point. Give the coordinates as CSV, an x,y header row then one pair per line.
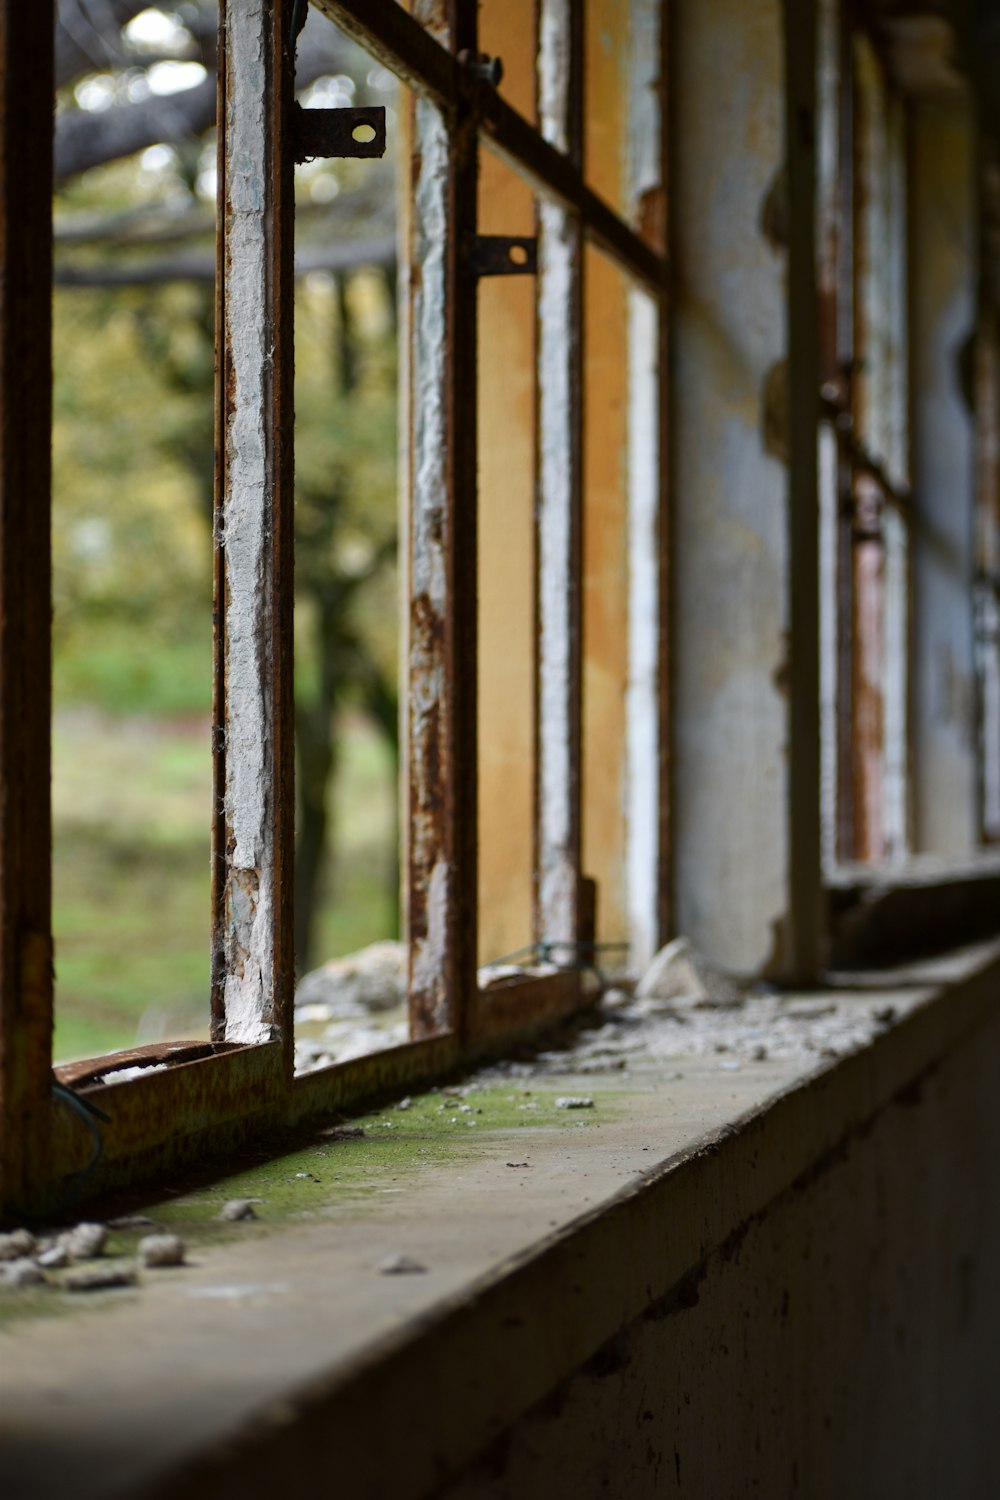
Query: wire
x,y
90,1115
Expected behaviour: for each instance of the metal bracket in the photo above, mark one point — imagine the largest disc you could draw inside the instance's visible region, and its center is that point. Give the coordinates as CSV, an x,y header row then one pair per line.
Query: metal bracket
x,y
338,132
502,255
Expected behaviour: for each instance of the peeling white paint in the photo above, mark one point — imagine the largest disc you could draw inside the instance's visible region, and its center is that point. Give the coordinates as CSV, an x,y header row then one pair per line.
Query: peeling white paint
x,y
643,791
249,983
559,254
645,169
642,699
558,270
553,71
429,373
429,952
427,522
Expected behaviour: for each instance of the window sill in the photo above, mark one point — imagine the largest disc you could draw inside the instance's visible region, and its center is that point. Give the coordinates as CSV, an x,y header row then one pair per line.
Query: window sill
x,y
275,1355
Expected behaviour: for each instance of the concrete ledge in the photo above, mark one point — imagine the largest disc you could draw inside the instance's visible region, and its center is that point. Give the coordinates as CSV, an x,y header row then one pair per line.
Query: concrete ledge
x,y
458,1361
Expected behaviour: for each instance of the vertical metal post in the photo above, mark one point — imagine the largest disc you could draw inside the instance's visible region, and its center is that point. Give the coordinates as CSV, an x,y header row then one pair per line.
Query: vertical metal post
x,y
648,699
804,819
253,964
442,884
872,250
26,121
845,335
559,489
986,599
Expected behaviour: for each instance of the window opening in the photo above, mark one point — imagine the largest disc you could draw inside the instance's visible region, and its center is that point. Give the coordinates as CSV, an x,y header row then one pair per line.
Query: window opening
x,y
864,449
242,1079
132,522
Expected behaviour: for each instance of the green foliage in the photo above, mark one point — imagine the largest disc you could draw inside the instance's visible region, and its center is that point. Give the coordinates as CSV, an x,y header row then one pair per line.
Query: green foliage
x,y
131,537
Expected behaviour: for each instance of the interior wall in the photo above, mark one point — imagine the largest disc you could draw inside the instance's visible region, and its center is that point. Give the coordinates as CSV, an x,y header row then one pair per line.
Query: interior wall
x,y
943,310
729,439
846,1342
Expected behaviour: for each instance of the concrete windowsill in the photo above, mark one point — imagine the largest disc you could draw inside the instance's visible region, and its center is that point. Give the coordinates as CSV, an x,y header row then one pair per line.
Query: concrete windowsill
x,y
278,1352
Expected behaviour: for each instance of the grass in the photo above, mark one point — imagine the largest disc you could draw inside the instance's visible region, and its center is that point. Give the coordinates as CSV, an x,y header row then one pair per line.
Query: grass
x,y
132,803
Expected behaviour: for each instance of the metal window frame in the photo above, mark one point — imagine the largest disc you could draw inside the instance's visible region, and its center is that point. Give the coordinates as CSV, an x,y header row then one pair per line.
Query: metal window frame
x,y
213,1096
867,489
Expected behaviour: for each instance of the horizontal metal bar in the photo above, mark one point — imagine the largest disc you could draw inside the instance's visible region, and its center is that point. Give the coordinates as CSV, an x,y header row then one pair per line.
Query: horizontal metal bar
x,y
338,132
860,458
164,1117
402,45
518,144
525,1004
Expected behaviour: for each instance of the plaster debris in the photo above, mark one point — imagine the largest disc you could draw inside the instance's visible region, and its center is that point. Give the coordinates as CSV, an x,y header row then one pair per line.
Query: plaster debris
x,y
239,1208
573,1101
679,975
161,1250
16,1245
53,1259
373,979
400,1265
99,1278
84,1241
20,1273
406,1103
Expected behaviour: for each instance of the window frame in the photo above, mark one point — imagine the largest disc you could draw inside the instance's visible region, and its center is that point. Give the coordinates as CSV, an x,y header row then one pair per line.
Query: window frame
x,y
208,1097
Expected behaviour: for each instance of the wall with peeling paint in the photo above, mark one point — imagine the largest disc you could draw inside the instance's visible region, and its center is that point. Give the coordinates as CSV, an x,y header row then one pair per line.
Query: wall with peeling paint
x,y
943,312
845,1343
729,492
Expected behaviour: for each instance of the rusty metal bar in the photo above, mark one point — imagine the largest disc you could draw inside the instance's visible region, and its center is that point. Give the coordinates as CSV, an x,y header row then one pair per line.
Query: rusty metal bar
x,y
403,45
26,106
188,1111
862,460
253,978
441,889
354,132
559,490
501,255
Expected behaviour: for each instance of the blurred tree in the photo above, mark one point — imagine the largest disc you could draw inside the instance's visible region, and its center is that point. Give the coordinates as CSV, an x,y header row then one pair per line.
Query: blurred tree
x,y
134,439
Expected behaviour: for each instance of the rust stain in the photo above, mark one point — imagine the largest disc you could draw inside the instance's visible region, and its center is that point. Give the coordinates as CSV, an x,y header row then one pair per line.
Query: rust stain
x,y
651,219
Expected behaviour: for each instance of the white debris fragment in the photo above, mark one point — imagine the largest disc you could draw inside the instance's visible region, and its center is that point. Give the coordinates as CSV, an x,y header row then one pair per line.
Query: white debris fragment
x,y
161,1250
239,1208
406,1103
574,1101
99,1278
84,1241
679,975
53,1259
20,1273
16,1245
400,1265
371,980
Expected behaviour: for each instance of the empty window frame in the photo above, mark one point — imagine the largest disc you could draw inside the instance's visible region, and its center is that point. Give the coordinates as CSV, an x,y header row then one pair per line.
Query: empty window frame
x,y
209,1096
864,446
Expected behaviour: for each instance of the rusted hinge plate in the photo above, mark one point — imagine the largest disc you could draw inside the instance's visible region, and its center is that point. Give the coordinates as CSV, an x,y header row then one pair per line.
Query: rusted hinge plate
x,y
501,255
338,132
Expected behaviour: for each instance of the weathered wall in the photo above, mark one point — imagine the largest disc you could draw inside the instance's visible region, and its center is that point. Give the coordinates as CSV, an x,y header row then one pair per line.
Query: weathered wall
x,y
847,1344
943,312
729,493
